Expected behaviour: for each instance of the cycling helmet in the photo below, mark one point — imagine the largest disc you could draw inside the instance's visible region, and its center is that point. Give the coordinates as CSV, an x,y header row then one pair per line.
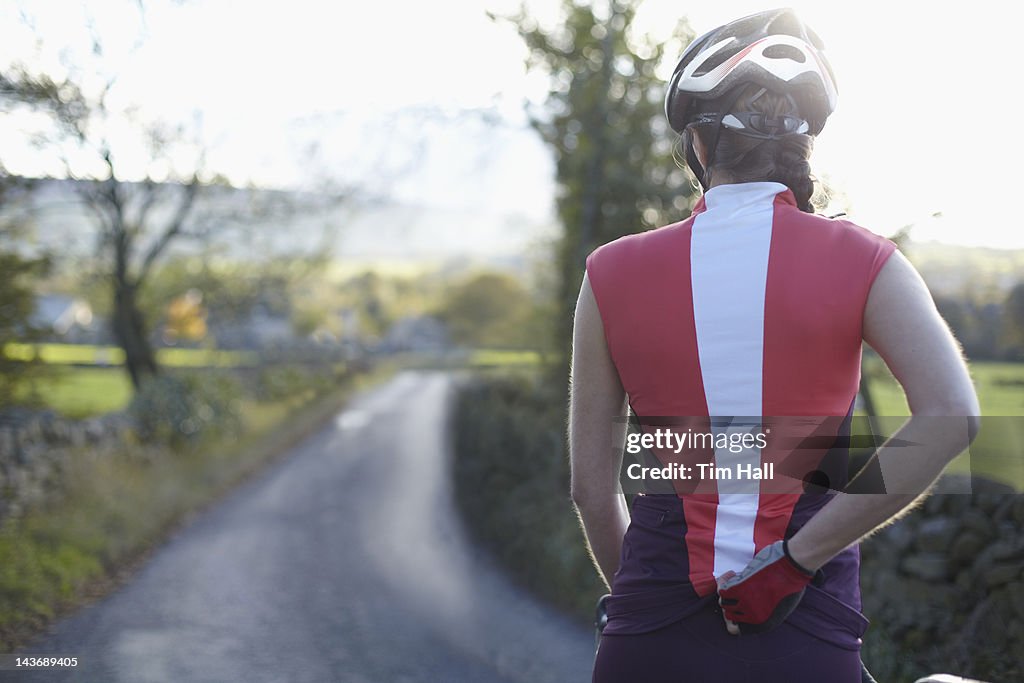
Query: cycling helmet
x,y
773,49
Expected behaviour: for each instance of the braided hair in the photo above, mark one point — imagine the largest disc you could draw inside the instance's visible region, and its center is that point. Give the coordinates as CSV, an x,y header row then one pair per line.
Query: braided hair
x,y
740,158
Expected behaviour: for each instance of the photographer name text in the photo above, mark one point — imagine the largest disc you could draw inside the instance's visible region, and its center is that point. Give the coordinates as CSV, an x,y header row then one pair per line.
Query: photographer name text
x,y
701,470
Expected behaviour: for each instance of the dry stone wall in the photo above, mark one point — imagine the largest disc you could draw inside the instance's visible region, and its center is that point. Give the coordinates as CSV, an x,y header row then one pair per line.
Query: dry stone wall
x,y
944,588
36,445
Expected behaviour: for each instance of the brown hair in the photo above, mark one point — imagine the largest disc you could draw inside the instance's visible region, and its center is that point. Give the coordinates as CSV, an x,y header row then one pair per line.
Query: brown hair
x,y
743,159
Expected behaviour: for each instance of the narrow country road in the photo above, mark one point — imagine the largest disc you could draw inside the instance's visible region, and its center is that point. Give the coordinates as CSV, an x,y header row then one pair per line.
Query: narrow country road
x,y
345,561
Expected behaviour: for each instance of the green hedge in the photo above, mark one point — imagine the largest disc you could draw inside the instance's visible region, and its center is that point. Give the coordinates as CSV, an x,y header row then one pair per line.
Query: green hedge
x,y
181,408
512,485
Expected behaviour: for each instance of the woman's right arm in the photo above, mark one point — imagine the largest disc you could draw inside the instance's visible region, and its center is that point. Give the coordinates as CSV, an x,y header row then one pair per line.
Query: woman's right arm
x,y
902,324
596,437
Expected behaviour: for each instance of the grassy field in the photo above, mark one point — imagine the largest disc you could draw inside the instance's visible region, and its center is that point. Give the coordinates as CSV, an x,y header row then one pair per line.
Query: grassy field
x,y
80,392
1000,389
85,380
996,454
503,358
87,354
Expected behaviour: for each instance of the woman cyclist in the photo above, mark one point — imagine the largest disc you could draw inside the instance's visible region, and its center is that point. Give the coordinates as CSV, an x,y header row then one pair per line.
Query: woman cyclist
x,y
748,315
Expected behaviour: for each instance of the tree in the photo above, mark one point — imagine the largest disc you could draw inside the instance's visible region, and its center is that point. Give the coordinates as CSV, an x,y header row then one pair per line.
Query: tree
x,y
17,295
136,221
127,215
1013,323
490,310
605,124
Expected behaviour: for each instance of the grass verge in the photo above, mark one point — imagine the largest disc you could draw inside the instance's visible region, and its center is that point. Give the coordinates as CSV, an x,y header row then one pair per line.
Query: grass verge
x,y
121,506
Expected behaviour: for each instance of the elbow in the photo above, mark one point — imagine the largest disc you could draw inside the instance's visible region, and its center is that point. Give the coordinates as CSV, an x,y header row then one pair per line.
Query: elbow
x,y
973,427
957,418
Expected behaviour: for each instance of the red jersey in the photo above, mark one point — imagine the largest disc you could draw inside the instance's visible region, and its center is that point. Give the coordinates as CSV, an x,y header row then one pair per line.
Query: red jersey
x,y
749,307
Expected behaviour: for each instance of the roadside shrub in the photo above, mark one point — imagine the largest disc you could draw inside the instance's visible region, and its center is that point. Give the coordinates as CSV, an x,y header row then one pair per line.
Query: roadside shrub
x,y
181,409
276,382
512,485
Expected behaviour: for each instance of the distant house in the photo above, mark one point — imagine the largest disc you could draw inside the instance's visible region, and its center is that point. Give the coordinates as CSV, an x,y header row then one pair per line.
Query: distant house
x,y
68,319
423,333
259,329
270,328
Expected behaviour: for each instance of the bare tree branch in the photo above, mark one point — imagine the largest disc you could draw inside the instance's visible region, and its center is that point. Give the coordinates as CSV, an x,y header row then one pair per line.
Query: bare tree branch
x,y
173,228
148,194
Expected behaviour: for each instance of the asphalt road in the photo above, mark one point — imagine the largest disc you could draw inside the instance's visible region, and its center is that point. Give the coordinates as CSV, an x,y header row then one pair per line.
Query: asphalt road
x,y
345,561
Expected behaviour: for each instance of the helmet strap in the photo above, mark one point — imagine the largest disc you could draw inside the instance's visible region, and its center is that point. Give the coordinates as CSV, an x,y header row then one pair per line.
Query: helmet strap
x,y
692,161
726,103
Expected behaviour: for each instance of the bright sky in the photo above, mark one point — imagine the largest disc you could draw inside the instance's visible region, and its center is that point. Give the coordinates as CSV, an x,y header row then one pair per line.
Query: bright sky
x,y
922,90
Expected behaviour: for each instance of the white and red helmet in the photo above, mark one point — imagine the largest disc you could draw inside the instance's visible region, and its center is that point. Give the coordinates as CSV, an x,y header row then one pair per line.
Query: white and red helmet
x,y
773,49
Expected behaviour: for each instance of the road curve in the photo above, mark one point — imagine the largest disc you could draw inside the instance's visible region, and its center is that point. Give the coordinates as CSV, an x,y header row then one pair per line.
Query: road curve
x,y
344,561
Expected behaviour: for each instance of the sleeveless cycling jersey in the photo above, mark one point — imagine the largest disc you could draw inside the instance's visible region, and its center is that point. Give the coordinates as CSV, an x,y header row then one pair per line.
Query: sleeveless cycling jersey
x,y
749,307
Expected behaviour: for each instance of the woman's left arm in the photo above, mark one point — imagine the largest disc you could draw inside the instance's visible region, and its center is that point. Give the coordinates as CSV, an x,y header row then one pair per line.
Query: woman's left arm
x,y
596,437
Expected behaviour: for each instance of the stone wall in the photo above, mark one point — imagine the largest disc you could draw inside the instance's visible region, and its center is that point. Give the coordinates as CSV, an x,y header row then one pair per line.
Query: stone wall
x,y
944,588
36,445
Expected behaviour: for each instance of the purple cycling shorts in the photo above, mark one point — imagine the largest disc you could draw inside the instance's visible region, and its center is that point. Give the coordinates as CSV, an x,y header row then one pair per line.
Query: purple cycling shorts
x,y
698,649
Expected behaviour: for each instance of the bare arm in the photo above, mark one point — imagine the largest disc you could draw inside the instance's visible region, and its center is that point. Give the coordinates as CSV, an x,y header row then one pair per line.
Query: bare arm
x,y
903,326
596,438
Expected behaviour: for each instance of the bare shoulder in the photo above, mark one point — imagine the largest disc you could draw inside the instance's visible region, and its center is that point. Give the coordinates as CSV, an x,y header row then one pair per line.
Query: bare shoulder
x,y
903,325
898,297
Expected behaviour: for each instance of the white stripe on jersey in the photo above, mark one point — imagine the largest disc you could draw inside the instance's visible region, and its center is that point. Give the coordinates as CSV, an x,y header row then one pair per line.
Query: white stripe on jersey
x,y
729,271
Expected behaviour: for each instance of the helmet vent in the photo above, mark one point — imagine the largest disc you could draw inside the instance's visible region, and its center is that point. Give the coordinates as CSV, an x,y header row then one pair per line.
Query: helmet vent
x,y
713,62
784,52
